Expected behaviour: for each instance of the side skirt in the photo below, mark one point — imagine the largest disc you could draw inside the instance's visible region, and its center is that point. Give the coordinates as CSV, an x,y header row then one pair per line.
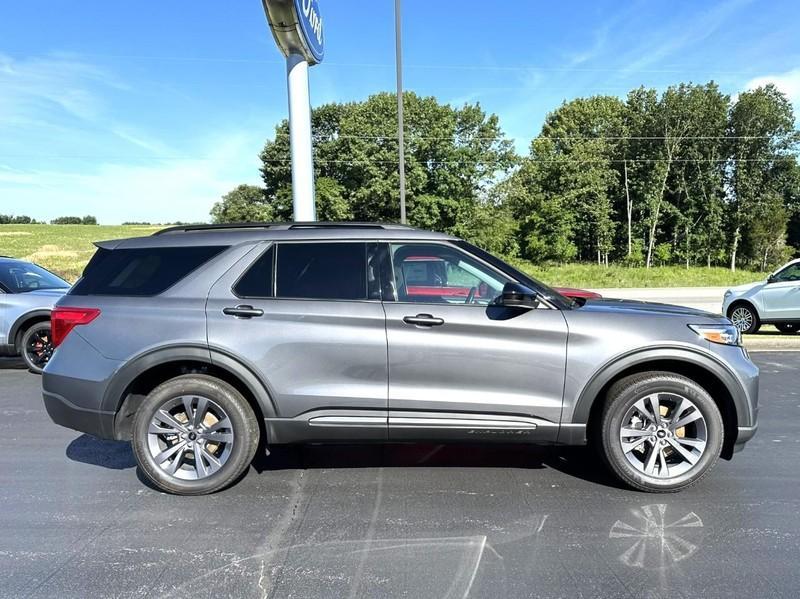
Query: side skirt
x,y
356,426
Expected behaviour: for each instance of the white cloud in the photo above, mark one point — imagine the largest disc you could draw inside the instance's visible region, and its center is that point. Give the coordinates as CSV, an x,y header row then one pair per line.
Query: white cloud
x,y
788,83
63,150
55,85
683,34
158,191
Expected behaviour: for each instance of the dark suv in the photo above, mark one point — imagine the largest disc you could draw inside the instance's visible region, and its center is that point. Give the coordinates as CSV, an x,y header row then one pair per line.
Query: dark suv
x,y
200,343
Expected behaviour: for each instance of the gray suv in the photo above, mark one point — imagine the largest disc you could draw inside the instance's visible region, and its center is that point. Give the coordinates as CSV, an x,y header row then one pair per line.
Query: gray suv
x,y
200,344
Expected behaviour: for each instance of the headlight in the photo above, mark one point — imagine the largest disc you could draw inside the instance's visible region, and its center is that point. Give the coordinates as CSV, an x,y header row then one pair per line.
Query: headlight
x,y
728,293
727,334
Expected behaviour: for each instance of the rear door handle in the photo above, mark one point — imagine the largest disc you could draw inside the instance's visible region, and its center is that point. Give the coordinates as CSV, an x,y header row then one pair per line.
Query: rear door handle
x,y
243,311
424,320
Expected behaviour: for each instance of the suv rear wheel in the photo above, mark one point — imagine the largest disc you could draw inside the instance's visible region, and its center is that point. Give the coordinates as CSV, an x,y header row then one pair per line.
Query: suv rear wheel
x,y
194,435
660,432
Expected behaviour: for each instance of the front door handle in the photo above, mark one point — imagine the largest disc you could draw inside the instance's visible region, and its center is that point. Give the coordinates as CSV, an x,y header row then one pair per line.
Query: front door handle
x,y
424,320
243,311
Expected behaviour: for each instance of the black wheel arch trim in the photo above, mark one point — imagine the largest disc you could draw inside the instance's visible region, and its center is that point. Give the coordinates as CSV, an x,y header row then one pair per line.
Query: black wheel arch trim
x,y
121,380
19,323
693,357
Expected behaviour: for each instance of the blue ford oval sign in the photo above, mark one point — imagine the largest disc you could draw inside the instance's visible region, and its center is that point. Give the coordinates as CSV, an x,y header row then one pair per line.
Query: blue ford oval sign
x,y
297,28
309,21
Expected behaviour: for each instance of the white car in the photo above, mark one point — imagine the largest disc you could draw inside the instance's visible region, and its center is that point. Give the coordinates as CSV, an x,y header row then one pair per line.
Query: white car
x,y
774,301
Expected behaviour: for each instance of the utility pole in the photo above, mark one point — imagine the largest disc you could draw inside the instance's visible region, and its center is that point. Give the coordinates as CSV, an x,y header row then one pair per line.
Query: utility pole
x,y
303,204
298,31
398,43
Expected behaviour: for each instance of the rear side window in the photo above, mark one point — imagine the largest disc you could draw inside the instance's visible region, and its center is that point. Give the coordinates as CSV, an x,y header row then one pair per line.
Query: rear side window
x,y
257,281
141,271
336,271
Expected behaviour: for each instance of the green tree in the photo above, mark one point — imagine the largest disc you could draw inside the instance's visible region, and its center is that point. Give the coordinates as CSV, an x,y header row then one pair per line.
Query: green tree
x,y
763,145
453,154
244,204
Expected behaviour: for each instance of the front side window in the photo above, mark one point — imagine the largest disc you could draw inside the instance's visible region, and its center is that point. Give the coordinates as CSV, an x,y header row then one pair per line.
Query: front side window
x,y
323,271
433,273
790,273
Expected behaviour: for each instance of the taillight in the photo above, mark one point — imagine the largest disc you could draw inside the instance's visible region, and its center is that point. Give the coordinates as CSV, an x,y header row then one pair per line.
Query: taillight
x,y
63,320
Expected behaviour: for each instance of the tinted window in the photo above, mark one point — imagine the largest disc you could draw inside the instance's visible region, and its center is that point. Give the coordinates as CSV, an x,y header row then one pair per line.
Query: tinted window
x,y
322,271
257,281
790,273
429,273
142,271
19,277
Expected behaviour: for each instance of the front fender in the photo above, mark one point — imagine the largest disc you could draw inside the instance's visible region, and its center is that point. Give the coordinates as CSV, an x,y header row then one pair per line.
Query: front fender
x,y
696,357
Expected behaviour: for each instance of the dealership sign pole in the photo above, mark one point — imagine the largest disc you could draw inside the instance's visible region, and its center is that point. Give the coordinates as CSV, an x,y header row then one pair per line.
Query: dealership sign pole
x,y
297,28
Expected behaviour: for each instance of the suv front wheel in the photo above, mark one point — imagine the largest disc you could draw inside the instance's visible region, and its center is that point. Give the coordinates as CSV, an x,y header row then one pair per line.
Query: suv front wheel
x,y
194,435
660,432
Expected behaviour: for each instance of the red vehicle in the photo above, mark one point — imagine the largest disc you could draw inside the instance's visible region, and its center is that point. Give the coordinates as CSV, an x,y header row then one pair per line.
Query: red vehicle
x,y
573,293
427,276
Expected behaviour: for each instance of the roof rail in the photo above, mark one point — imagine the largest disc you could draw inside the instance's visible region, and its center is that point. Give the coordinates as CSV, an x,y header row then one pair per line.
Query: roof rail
x,y
285,226
220,227
344,225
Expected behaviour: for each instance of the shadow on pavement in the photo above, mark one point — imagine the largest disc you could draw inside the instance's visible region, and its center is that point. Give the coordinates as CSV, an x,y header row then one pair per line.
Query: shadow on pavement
x,y
12,364
578,462
115,455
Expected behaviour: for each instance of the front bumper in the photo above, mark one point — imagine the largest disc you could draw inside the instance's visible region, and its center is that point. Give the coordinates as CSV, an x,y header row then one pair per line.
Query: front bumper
x,y
745,433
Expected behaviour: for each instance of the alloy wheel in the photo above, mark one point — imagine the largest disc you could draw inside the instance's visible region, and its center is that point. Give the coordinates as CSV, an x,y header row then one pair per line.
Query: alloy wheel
x,y
39,348
742,318
190,437
663,435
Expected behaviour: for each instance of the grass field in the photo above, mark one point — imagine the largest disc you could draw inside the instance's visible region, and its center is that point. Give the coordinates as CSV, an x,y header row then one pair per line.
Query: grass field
x,y
65,249
595,277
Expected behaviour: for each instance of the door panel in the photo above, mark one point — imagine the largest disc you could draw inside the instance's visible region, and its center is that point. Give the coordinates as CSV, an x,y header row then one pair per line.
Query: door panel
x,y
314,354
782,300
481,360
782,297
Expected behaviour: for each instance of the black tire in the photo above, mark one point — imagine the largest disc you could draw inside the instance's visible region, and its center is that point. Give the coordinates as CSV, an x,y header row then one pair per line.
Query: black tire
x,y
243,425
746,309
788,328
621,398
36,346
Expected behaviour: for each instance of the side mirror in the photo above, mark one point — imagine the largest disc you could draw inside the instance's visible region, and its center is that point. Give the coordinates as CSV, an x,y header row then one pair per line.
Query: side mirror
x,y
518,296
771,279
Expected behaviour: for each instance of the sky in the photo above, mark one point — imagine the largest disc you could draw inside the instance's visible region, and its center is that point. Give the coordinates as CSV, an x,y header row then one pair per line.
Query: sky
x,y
151,110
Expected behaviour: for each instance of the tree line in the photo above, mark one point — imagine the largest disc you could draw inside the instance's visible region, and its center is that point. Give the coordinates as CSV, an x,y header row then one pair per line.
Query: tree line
x,y
22,219
687,176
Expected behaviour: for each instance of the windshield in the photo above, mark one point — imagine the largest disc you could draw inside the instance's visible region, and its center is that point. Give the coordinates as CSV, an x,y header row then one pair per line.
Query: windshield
x,y
21,277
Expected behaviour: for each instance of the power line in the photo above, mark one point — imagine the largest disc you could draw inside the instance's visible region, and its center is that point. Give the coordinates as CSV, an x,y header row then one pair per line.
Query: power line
x,y
432,66
393,137
556,161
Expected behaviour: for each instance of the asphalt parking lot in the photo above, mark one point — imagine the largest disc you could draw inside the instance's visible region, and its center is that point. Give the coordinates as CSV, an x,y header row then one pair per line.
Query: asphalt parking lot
x,y
396,521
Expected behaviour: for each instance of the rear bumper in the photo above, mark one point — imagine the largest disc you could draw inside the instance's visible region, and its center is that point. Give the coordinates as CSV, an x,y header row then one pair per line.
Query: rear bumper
x,y
73,387
65,413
